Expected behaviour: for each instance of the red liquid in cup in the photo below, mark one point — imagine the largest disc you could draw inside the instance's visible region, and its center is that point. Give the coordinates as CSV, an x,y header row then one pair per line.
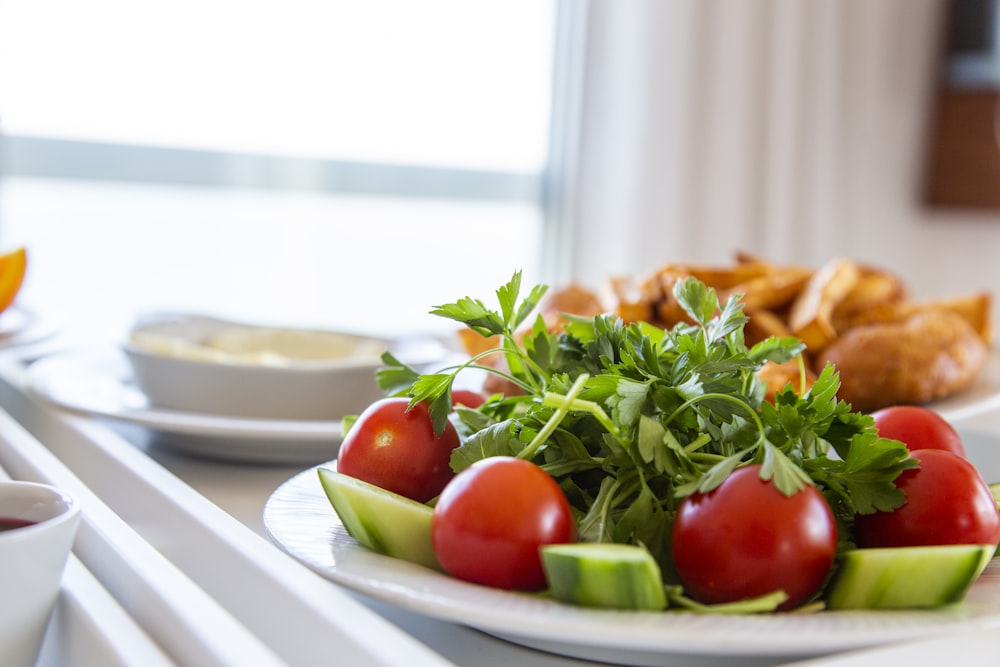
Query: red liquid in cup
x,y
10,524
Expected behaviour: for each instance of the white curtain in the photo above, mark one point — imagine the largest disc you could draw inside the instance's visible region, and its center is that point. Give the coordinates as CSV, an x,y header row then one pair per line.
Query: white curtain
x,y
790,128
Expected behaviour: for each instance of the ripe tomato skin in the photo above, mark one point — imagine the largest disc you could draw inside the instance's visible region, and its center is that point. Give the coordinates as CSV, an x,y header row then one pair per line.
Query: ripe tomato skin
x,y
947,502
395,448
918,428
467,397
745,539
491,520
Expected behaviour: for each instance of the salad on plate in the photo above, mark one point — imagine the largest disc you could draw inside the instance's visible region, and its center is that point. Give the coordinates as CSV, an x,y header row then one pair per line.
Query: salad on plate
x,y
630,466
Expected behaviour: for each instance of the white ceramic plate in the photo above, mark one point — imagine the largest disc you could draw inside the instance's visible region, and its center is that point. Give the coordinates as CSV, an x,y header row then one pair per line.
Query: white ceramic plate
x,y
300,520
981,396
20,325
97,381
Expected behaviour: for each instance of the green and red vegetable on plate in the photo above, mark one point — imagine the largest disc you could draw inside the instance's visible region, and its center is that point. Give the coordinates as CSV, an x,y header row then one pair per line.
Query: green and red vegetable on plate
x,y
644,468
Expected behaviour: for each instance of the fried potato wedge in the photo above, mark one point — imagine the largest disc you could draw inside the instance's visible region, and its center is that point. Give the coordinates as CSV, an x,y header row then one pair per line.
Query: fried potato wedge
x,y
772,291
811,315
873,288
764,324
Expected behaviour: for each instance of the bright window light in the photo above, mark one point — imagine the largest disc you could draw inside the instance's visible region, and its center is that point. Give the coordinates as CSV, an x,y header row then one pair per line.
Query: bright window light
x,y
438,82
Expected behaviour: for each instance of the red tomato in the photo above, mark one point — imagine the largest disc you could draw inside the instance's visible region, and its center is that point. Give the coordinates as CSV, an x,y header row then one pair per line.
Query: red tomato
x,y
395,448
918,428
947,502
491,520
745,539
467,397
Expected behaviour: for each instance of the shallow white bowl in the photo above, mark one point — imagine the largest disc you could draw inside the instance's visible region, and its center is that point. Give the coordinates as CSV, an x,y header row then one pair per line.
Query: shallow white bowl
x,y
195,363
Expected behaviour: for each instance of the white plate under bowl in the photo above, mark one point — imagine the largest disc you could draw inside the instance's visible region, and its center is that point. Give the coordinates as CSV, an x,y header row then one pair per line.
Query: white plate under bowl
x,y
300,520
20,325
97,381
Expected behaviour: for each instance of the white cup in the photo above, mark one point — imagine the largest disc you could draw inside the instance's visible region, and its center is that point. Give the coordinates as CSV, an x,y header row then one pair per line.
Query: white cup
x,y
32,560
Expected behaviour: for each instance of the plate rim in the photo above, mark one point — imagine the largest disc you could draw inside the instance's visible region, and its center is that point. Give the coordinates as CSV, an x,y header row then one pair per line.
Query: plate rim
x,y
954,409
633,640
41,371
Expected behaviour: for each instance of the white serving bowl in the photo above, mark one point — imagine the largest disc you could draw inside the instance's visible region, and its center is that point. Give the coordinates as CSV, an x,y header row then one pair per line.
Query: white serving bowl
x,y
194,363
32,560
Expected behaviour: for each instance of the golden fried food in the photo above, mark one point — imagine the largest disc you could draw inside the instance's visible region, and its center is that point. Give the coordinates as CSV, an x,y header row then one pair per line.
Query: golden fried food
x,y
976,309
811,316
873,289
570,300
927,356
776,376
841,301
764,324
888,348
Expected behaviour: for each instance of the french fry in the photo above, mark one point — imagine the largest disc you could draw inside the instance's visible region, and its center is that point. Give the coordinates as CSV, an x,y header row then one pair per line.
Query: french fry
x,y
773,290
764,324
976,309
723,278
811,314
873,290
668,311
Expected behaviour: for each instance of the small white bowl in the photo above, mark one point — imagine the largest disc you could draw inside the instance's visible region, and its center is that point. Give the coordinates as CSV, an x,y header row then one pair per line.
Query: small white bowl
x,y
194,363
32,560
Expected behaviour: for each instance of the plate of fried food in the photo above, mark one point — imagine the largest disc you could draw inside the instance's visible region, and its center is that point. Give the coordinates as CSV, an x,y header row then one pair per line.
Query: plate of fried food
x,y
888,347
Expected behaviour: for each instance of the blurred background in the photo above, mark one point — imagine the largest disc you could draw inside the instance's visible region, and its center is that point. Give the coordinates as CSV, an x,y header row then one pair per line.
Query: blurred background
x,y
352,164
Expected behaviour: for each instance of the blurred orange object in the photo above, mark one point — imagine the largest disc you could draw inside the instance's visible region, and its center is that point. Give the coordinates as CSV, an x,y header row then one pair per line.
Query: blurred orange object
x,y
12,268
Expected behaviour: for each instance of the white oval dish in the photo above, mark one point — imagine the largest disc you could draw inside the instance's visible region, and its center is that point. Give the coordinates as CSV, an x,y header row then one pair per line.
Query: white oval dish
x,y
209,365
299,519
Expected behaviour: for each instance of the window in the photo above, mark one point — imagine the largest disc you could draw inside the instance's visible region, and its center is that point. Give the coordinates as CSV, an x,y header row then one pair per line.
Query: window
x,y
334,163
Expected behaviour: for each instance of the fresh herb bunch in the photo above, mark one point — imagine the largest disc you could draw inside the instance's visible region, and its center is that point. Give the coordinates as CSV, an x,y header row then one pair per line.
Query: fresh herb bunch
x,y
631,418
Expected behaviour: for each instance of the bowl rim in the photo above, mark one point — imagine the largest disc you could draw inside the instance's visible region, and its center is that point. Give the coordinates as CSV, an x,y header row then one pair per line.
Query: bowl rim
x,y
156,321
137,351
71,509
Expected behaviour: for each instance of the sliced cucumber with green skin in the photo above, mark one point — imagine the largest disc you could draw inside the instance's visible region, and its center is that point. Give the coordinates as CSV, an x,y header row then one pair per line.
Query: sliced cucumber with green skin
x,y
381,520
616,576
906,577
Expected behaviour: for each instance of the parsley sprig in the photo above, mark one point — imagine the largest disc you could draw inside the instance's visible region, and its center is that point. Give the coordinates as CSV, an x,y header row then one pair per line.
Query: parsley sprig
x,y
631,418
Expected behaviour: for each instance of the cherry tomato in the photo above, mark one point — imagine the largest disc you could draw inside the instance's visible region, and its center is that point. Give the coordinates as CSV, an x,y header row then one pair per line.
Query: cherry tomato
x,y
947,502
745,539
467,397
491,520
395,448
918,428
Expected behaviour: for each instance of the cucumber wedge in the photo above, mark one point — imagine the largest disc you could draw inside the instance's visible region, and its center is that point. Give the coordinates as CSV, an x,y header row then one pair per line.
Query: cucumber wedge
x,y
906,577
381,520
615,576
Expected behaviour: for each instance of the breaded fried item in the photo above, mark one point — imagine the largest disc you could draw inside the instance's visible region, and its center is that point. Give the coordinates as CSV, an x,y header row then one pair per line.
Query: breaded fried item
x,y
775,376
926,356
572,299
